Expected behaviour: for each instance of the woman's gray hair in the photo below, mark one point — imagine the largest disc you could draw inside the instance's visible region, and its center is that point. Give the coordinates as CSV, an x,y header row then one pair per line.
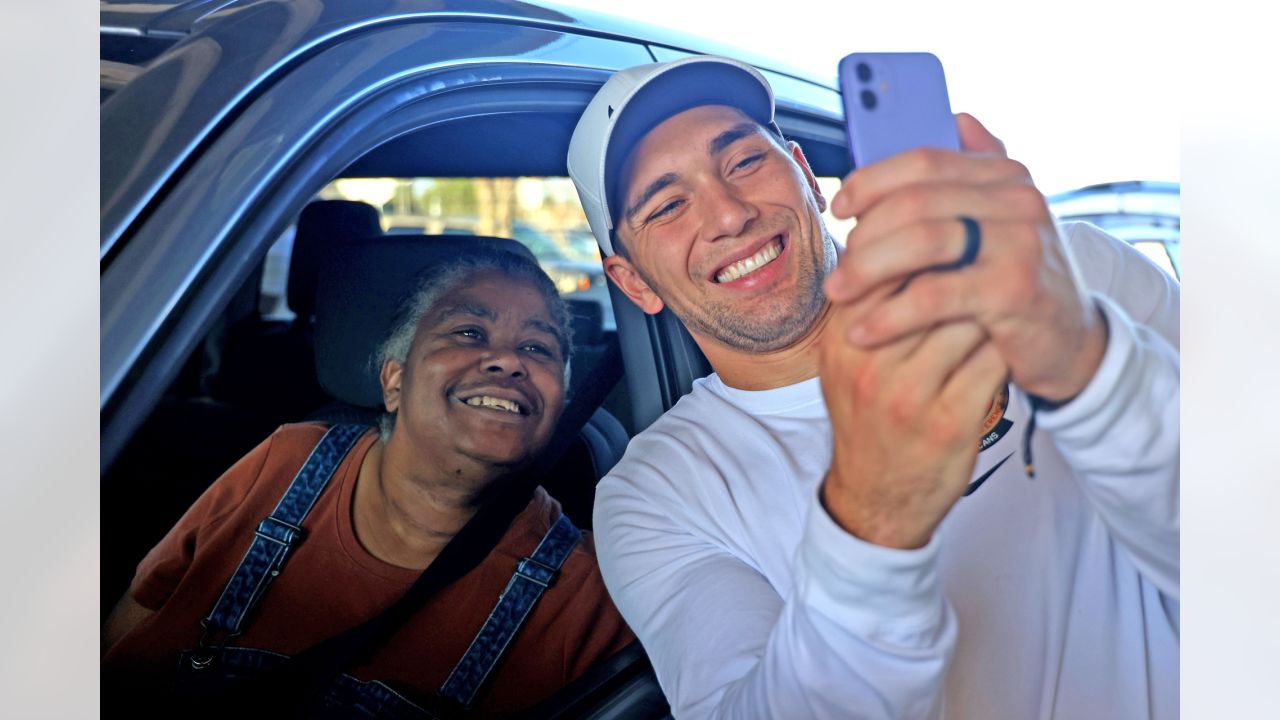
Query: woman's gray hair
x,y
438,280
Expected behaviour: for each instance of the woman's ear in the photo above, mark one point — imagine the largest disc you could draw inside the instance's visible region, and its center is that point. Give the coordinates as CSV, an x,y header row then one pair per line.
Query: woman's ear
x,y
390,377
624,275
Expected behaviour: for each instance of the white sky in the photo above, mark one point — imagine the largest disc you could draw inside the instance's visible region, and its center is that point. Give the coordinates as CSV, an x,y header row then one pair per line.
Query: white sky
x,y
1082,92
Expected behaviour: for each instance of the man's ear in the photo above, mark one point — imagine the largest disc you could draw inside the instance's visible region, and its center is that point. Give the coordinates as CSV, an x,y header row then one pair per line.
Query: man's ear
x,y
390,377
798,155
624,275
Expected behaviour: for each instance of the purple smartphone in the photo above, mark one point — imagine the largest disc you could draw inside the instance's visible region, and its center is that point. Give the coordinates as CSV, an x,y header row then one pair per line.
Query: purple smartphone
x,y
894,102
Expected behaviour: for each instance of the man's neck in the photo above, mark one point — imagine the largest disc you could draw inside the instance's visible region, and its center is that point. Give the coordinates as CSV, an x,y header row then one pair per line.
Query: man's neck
x,y
746,370
405,518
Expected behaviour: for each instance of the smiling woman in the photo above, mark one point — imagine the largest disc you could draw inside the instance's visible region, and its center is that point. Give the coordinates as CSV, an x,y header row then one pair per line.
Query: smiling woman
x,y
496,416
473,374
448,314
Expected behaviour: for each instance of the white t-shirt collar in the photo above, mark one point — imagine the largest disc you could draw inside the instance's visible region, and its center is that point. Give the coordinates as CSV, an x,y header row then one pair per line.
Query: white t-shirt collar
x,y
787,399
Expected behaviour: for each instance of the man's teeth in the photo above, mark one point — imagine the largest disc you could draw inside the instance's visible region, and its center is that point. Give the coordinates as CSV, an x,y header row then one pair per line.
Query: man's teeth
x,y
493,402
751,264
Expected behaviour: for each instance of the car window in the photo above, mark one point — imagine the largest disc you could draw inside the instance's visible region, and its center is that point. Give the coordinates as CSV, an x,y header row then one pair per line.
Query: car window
x,y
1147,215
1159,253
543,213
273,301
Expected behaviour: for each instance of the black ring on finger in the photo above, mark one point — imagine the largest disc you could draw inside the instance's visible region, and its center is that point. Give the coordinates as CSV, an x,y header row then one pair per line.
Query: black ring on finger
x,y
972,242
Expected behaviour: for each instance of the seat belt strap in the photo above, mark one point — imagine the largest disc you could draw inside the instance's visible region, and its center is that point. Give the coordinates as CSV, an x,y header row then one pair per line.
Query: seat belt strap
x,y
276,535
532,576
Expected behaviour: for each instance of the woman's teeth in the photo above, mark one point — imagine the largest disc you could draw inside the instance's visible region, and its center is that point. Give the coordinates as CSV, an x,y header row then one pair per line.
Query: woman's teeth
x,y
493,402
749,265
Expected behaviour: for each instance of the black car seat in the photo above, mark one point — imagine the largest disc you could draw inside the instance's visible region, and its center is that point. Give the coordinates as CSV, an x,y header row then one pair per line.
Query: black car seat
x,y
360,283
268,365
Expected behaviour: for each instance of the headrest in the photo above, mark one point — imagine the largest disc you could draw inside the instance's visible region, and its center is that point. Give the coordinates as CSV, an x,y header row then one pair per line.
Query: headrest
x,y
588,320
361,284
322,224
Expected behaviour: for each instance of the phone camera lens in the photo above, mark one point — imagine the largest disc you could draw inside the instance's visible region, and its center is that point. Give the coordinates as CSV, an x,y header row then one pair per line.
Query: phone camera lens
x,y
864,72
868,100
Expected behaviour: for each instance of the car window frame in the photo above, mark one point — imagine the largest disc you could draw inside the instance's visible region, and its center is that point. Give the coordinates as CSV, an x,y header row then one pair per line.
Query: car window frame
x,y
146,334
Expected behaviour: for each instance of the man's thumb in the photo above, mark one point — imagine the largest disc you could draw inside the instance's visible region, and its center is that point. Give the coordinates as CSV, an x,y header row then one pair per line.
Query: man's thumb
x,y
974,137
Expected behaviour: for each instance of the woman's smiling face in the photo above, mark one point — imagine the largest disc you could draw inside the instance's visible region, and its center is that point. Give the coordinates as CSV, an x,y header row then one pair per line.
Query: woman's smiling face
x,y
484,377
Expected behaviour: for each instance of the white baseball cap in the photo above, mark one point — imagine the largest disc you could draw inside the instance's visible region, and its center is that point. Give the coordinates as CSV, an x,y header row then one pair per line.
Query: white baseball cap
x,y
638,99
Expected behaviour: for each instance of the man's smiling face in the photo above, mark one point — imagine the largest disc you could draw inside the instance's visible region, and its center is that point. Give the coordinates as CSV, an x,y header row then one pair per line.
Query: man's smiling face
x,y
722,224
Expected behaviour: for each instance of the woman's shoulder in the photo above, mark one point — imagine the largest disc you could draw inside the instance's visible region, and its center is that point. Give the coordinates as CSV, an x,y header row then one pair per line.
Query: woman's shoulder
x,y
292,443
532,525
270,466
300,434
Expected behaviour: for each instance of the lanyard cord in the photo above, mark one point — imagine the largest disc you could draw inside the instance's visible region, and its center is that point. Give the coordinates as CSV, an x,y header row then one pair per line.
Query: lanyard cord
x,y
1037,404
1027,465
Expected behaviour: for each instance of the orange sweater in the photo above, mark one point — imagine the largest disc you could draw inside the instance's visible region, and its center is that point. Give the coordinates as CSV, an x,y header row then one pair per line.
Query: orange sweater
x,y
330,583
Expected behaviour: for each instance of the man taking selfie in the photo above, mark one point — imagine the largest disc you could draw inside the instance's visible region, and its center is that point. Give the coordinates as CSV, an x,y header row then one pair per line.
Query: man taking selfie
x,y
935,472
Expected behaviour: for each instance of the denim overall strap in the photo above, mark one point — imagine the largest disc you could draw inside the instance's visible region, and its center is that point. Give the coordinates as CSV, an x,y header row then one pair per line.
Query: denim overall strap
x,y
533,575
278,533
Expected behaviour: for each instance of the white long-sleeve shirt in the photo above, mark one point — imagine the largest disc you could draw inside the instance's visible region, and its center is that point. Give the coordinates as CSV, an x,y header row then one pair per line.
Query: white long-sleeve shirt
x,y
1053,597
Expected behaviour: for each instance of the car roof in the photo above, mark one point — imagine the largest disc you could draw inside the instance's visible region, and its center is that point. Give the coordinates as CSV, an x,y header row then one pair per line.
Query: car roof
x,y
178,20
202,61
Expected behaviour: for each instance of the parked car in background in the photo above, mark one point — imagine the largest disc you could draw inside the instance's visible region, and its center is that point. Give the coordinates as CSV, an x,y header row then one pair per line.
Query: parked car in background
x,y
1144,214
580,276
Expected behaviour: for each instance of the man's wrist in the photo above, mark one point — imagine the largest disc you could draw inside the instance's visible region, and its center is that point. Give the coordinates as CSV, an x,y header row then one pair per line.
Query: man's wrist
x,y
853,517
1112,385
1087,362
